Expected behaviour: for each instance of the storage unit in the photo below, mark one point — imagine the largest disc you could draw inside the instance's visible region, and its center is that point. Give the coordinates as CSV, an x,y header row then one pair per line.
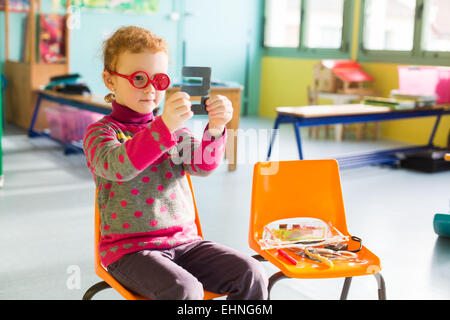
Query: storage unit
x,y
26,77
69,124
425,80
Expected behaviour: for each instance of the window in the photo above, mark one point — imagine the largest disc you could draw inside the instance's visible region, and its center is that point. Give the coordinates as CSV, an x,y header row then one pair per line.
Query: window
x,y
389,24
282,24
405,31
324,22
436,25
308,28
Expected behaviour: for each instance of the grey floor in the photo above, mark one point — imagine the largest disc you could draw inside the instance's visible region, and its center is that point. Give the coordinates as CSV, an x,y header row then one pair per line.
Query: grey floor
x,y
46,218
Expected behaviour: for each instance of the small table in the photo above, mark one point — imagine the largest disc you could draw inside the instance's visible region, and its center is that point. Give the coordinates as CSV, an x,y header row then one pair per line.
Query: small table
x,y
354,113
234,94
339,99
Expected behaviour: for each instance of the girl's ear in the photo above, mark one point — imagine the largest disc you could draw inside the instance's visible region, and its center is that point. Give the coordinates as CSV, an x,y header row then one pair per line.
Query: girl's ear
x,y
108,79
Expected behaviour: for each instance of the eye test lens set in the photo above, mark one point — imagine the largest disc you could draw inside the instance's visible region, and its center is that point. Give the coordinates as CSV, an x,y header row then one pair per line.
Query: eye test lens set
x,y
141,80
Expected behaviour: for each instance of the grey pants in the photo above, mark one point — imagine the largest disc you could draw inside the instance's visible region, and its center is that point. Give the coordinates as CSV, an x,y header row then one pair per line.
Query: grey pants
x,y
183,272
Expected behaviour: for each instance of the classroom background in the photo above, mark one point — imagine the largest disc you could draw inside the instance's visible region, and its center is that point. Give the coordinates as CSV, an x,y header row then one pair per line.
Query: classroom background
x,y
366,82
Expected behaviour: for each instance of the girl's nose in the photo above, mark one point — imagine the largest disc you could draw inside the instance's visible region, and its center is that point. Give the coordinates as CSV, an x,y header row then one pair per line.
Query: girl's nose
x,y
150,88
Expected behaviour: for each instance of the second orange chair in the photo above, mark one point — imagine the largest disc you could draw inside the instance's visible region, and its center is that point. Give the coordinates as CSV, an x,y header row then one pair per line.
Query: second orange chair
x,y
305,188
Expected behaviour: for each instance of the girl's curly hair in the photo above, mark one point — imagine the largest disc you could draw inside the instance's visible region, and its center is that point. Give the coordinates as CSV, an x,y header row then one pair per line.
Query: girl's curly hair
x,y
133,39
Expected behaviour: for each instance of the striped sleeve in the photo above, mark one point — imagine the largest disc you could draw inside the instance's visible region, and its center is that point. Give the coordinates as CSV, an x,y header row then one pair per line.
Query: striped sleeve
x,y
107,157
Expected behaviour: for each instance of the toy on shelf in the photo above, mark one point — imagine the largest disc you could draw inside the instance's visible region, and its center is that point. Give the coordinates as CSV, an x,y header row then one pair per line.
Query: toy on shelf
x,y
51,38
343,81
342,76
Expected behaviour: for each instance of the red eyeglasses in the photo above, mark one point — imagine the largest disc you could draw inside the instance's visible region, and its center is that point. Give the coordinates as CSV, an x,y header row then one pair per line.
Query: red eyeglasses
x,y
141,80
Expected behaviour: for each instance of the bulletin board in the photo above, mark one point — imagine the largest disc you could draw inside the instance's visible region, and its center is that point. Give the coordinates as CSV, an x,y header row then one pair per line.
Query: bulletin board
x,y
126,6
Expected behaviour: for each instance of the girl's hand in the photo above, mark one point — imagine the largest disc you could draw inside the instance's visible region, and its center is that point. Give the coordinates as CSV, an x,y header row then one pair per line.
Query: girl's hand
x,y
220,112
177,110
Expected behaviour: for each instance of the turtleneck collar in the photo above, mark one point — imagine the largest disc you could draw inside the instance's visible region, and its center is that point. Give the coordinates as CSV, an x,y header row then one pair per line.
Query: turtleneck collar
x,y
124,114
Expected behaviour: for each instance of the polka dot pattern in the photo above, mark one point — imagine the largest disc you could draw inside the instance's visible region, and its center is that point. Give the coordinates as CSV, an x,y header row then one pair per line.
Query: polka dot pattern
x,y
153,223
145,200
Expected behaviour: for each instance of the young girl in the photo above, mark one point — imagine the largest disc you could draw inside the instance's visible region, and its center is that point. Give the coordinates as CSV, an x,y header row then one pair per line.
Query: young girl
x,y
149,240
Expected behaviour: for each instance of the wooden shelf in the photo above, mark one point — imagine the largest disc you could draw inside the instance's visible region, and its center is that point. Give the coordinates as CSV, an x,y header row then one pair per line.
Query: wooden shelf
x,y
26,77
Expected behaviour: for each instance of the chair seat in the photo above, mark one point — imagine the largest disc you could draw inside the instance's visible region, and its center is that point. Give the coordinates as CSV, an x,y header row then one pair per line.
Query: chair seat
x,y
367,263
102,273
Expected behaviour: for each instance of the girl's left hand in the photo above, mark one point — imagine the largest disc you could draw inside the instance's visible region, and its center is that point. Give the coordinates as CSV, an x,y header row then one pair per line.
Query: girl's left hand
x,y
220,112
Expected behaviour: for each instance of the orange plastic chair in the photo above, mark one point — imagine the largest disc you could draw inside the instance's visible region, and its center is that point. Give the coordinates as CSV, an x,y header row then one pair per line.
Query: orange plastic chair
x,y
305,188
109,281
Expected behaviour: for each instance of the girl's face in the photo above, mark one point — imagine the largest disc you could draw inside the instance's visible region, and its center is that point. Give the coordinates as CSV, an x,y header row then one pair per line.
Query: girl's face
x,y
139,100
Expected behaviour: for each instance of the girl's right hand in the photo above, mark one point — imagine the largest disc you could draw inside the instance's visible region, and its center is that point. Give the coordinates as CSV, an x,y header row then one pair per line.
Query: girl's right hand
x,y
177,110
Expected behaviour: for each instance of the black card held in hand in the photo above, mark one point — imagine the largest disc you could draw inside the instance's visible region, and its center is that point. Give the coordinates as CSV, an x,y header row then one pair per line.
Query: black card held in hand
x,y
201,90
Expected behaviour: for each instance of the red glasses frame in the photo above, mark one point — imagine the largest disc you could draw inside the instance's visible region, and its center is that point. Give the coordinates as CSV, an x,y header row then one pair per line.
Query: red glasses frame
x,y
155,81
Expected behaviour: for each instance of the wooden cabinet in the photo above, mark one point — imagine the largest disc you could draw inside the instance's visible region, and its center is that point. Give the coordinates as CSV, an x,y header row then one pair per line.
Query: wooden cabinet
x,y
25,77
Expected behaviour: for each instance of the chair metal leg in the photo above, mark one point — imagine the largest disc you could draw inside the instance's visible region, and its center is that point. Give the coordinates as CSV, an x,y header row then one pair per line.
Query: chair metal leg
x,y
346,288
95,289
381,286
274,279
259,257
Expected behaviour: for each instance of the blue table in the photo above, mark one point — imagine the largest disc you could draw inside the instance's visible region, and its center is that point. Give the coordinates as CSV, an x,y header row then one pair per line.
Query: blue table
x,y
355,113
91,103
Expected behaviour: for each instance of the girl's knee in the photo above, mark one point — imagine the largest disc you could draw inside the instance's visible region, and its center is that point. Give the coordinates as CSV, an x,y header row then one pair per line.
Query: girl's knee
x,y
254,282
185,289
257,271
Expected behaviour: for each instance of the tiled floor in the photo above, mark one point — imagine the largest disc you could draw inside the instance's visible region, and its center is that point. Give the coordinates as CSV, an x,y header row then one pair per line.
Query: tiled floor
x,y
46,218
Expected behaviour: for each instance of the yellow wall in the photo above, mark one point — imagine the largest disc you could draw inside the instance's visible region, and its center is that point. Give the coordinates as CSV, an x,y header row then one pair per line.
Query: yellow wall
x,y
285,80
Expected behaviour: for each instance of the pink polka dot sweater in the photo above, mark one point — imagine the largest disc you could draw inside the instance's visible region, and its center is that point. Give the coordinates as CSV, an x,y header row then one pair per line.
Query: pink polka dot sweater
x,y
139,170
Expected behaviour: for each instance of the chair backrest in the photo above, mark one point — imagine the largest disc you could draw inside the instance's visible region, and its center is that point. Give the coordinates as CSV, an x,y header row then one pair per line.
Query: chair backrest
x,y
100,270
290,189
